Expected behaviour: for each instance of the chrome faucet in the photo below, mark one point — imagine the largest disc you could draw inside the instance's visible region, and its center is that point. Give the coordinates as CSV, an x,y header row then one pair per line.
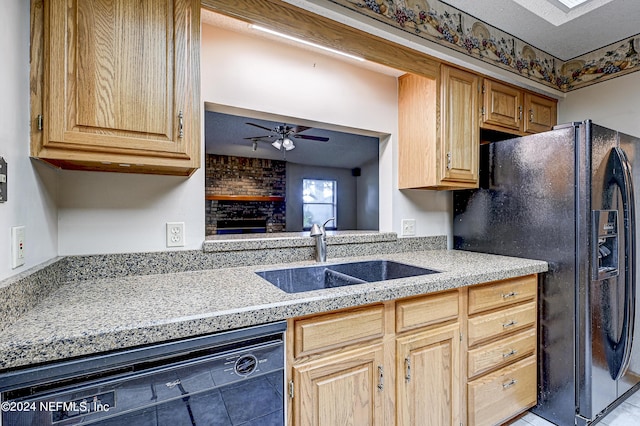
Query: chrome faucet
x,y
320,234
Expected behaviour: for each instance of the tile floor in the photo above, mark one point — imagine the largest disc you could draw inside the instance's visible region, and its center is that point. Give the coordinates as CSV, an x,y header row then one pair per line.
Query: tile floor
x,y
626,414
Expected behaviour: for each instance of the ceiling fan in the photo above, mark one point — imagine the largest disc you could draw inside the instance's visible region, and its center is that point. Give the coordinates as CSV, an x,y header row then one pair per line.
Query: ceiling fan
x,y
283,135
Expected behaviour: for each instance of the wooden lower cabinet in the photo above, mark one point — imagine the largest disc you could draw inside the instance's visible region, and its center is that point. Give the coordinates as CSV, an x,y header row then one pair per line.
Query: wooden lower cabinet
x,y
502,353
342,389
387,364
498,396
428,372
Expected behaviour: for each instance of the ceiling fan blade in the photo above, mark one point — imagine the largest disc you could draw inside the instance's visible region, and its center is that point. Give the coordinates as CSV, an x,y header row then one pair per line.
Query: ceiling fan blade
x,y
259,126
313,138
260,137
299,129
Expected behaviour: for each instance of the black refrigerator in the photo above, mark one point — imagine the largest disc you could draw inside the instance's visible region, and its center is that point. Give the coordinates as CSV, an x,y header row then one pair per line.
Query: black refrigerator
x,y
567,197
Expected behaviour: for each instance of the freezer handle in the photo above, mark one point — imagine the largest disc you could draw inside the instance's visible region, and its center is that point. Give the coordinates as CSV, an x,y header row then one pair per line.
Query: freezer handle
x,y
628,202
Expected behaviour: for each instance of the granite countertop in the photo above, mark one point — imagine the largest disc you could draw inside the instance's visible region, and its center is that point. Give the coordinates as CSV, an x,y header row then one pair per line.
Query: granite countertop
x,y
87,317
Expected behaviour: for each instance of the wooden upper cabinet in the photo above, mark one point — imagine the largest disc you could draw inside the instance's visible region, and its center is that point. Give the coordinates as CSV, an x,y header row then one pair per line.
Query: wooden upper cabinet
x,y
120,85
502,105
460,128
541,113
513,110
438,129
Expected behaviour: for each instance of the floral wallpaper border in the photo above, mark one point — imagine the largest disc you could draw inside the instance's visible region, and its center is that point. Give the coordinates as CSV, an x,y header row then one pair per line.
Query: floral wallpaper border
x,y
436,21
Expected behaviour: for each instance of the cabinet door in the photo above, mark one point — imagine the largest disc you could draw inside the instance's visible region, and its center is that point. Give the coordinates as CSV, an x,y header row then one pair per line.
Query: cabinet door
x,y
541,113
428,377
502,105
341,389
460,127
121,79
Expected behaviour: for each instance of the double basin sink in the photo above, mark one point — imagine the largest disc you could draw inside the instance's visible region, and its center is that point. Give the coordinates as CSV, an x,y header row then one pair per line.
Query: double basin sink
x,y
307,278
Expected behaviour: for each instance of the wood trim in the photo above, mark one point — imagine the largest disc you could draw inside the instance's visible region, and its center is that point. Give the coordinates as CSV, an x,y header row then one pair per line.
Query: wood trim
x,y
243,198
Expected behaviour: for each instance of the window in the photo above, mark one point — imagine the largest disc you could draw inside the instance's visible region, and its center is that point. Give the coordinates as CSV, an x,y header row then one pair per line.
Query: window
x,y
319,200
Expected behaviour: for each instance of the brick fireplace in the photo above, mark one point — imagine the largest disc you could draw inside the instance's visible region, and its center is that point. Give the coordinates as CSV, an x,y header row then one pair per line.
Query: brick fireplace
x,y
244,194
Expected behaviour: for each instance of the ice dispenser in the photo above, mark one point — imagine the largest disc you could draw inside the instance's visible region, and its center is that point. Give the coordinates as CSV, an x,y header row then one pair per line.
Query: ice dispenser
x,y
605,246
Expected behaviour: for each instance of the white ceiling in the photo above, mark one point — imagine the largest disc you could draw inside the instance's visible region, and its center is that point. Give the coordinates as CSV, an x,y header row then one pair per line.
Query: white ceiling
x,y
550,26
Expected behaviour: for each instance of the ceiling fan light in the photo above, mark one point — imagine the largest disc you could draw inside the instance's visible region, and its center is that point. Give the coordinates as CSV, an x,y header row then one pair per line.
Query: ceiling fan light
x,y
277,144
288,144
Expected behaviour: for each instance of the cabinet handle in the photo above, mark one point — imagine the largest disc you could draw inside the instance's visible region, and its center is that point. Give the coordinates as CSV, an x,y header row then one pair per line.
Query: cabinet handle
x,y
520,112
449,160
380,378
407,374
40,122
531,116
512,352
180,125
508,384
509,324
510,294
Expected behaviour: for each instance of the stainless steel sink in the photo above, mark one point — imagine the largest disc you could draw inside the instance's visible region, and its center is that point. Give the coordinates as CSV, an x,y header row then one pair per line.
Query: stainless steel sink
x,y
306,278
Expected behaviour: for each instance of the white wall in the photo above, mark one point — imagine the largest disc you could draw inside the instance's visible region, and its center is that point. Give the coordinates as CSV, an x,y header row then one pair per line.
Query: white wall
x,y
251,73
614,103
368,196
31,186
118,212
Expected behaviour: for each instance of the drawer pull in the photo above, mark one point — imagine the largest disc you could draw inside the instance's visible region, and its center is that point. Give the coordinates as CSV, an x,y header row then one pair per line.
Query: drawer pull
x,y
508,384
509,324
407,374
509,295
510,353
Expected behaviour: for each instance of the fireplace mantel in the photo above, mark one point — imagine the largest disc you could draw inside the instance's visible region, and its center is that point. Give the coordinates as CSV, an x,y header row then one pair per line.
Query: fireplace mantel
x,y
244,198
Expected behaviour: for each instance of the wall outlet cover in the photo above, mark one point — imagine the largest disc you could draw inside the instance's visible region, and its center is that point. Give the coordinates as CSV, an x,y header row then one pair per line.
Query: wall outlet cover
x,y
408,227
17,246
175,234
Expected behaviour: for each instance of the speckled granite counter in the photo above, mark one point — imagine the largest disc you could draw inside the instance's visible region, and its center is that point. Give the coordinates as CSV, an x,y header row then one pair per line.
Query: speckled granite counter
x,y
103,314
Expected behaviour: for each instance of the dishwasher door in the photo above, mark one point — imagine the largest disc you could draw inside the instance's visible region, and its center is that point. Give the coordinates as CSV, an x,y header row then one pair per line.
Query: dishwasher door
x,y
232,383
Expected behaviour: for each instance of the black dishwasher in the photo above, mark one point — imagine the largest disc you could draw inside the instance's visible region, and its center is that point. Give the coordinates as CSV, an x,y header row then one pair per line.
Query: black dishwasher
x,y
229,378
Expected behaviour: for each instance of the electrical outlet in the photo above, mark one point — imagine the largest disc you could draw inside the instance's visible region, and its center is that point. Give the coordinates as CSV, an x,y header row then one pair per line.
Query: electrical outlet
x,y
408,227
175,234
17,246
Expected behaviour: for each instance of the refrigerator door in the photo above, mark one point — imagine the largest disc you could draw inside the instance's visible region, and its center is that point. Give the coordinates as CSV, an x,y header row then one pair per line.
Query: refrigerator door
x,y
631,377
526,207
608,319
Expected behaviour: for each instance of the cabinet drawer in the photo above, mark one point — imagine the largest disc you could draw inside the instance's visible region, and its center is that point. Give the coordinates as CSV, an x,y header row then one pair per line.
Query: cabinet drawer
x,y
495,324
426,310
339,329
502,293
501,395
502,352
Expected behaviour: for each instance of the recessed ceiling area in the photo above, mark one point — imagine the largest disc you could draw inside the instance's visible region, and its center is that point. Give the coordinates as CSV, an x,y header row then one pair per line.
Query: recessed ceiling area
x,y
556,29
227,134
